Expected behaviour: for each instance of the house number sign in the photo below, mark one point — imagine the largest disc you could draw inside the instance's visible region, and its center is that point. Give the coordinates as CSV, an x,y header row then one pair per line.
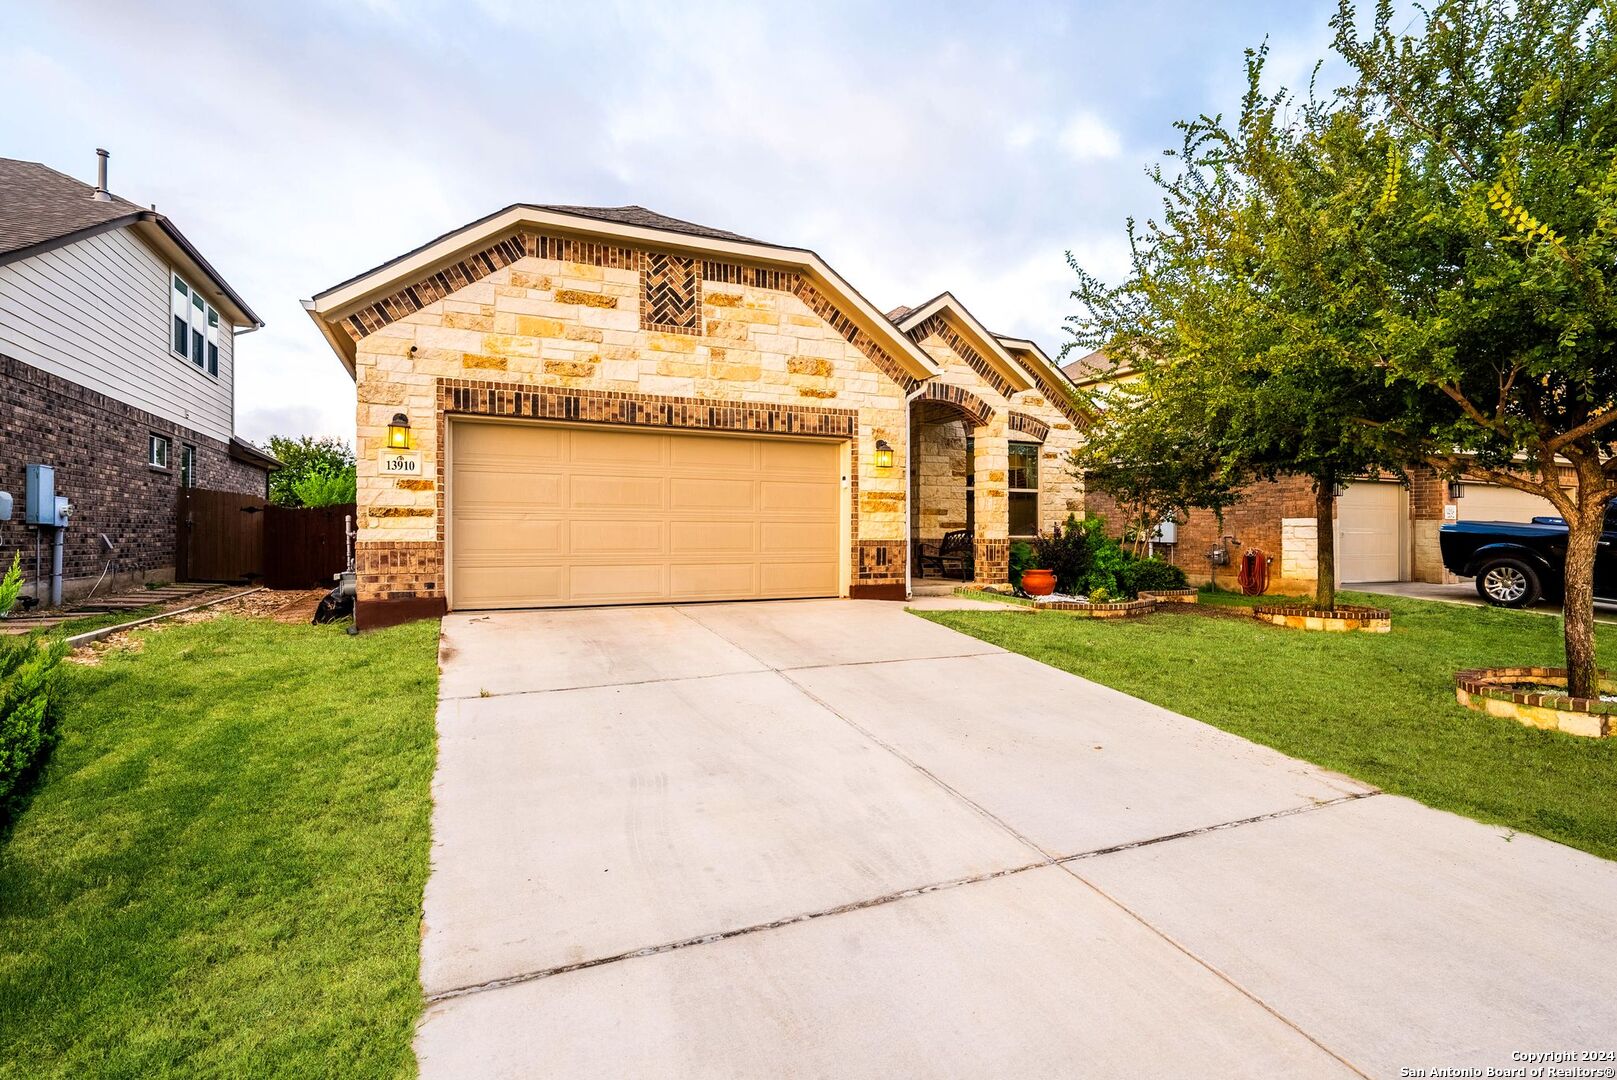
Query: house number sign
x,y
400,463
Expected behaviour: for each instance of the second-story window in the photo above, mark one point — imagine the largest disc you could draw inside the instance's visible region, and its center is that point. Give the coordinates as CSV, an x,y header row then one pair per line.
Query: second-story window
x,y
195,329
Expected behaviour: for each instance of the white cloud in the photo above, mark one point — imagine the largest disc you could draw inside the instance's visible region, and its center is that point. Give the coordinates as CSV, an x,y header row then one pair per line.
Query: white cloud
x,y
1087,138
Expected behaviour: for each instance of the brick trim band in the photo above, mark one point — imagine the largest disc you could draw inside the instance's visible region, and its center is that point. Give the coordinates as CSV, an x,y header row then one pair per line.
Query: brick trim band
x,y
963,400
1034,429
939,325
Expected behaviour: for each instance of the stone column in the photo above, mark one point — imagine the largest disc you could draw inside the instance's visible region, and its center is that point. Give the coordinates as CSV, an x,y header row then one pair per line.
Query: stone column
x,y
993,515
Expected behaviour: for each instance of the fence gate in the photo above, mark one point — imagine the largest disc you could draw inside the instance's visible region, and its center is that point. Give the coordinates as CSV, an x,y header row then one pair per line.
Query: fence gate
x,y
220,536
305,546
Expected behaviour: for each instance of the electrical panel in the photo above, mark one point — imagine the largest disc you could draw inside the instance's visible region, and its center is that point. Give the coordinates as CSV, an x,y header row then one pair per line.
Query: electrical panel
x,y
41,504
5,506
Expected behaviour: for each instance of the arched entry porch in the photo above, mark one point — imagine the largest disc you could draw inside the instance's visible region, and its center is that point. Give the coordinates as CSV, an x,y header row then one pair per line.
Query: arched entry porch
x,y
958,520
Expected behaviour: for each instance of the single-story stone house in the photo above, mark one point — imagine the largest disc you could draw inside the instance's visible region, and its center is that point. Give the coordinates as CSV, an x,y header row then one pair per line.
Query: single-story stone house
x,y
564,405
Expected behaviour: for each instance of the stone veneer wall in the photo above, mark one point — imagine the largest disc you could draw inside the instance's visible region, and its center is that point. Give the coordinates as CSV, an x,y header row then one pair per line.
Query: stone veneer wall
x,y
99,446
550,336
1022,416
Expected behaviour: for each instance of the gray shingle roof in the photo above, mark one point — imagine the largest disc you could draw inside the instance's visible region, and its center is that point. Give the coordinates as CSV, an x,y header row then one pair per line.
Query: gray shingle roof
x,y
648,219
41,205
1093,367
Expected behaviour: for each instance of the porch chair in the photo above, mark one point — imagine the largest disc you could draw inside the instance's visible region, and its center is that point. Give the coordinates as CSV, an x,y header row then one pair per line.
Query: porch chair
x,y
952,557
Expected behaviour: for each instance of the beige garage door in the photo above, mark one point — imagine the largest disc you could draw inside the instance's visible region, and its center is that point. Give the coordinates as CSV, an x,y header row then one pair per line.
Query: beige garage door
x,y
1370,533
1485,502
542,515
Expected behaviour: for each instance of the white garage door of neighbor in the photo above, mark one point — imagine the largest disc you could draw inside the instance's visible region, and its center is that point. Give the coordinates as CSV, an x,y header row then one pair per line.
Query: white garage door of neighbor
x,y
1370,532
1485,502
543,516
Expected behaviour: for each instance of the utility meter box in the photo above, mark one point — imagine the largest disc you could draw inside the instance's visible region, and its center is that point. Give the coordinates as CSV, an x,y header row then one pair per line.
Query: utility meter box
x,y
5,506
1167,532
41,504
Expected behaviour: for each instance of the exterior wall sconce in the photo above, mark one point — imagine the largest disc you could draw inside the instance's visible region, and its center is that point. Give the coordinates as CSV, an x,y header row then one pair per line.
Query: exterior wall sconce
x,y
884,454
1456,490
398,432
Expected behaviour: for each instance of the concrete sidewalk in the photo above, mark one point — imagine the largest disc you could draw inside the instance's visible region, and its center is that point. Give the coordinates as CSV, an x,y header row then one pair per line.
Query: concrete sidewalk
x,y
828,838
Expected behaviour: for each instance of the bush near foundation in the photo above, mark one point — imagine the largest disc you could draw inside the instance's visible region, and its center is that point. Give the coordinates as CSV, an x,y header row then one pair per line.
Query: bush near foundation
x,y
30,700
1088,562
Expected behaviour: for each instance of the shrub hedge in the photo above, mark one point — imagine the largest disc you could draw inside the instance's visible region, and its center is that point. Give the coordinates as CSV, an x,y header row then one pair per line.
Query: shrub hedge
x,y
30,700
1088,562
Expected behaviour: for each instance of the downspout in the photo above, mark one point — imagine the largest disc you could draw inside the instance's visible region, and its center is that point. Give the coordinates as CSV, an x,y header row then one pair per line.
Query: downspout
x,y
909,508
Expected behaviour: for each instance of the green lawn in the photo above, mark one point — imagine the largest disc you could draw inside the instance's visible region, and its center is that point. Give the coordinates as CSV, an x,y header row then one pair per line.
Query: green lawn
x,y
1379,707
221,873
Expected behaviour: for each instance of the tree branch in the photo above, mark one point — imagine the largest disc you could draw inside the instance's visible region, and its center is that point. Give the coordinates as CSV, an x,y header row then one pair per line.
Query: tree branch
x,y
1588,427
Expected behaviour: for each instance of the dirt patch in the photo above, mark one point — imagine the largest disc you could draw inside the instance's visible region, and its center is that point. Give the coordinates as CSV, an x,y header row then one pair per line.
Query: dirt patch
x,y
291,606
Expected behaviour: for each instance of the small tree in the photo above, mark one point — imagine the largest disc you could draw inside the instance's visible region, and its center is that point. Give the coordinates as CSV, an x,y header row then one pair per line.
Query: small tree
x,y
1495,291
1148,448
1255,358
325,486
302,455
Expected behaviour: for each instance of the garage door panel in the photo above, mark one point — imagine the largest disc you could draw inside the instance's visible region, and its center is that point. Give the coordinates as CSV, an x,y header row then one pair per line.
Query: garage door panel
x,y
727,537
798,497
694,493
607,492
554,515
512,586
609,447
705,454
483,533
616,536
617,582
798,537
795,578
713,581
1484,502
520,488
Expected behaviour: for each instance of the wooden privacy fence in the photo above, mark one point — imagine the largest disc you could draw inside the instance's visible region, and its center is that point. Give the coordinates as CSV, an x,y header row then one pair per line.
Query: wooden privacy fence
x,y
220,536
305,546
224,536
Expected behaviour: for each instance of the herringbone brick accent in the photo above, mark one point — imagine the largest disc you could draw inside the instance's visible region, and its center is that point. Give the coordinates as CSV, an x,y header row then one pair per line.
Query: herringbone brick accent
x,y
939,325
671,293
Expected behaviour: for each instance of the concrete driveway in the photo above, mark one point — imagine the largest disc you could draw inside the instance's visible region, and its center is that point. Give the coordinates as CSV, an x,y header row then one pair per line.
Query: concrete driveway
x,y
829,838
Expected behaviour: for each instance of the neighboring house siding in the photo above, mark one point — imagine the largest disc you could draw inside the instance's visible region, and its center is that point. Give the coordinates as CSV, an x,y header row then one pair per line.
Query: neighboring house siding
x,y
99,447
96,312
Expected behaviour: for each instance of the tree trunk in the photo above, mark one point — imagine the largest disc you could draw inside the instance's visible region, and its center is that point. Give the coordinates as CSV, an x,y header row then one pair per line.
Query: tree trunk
x,y
1325,545
1578,602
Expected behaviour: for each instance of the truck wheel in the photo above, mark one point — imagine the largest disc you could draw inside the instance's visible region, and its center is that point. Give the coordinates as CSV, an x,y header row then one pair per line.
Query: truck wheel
x,y
1508,583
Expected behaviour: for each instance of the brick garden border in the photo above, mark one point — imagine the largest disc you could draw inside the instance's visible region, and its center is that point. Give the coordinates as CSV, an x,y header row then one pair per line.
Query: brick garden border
x,y
1488,690
1121,609
1338,619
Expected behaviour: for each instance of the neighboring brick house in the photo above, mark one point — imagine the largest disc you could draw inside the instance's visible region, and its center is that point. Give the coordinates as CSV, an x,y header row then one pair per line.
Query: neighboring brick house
x,y
117,367
1384,530
606,405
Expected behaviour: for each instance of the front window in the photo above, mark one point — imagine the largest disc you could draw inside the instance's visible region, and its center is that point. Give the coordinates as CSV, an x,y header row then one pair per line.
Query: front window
x,y
195,329
1023,488
188,465
157,452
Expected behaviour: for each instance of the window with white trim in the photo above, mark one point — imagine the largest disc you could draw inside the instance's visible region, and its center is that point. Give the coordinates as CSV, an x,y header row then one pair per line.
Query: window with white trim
x,y
157,452
1022,488
194,329
188,465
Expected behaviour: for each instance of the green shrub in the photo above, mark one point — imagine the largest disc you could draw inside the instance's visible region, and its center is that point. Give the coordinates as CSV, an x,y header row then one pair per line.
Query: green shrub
x,y
30,699
1021,559
1147,574
325,486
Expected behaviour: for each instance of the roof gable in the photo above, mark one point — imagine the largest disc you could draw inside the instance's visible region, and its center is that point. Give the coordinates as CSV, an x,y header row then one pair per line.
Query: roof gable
x,y
615,236
948,317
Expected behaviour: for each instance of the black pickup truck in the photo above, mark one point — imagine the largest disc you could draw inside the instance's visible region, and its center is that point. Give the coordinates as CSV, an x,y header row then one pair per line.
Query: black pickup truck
x,y
1516,563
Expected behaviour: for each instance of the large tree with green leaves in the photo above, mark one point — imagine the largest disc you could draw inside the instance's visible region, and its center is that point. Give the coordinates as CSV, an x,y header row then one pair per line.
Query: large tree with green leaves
x,y
1494,274
1246,304
306,461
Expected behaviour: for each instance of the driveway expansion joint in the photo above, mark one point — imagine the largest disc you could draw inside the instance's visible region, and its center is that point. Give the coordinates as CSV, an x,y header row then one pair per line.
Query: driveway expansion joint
x,y
901,894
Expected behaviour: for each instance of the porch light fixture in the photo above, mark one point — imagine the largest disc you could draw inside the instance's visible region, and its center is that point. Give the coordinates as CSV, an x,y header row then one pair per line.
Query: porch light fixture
x,y
398,432
1456,490
884,454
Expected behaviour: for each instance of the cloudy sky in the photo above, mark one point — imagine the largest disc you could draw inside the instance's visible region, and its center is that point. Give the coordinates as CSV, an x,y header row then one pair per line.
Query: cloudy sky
x,y
916,146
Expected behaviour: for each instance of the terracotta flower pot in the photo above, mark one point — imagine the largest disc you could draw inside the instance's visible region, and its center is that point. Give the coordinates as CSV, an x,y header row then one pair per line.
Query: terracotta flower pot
x,y
1038,582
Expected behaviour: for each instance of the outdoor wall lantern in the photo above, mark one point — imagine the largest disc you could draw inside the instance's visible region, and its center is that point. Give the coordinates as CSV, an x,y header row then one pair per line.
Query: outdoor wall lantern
x,y
884,454
398,432
1456,490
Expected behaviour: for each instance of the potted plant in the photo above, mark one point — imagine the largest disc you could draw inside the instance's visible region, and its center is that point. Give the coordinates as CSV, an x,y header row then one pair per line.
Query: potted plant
x,y
1060,560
